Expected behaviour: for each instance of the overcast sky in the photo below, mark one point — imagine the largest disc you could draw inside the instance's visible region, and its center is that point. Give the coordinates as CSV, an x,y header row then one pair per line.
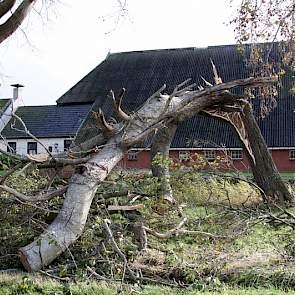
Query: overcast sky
x,y
50,54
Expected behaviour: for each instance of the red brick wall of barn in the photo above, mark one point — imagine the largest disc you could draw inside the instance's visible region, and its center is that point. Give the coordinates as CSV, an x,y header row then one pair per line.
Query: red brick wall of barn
x,y
281,158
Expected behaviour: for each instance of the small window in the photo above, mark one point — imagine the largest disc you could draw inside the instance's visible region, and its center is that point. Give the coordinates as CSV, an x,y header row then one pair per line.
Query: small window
x,y
32,148
132,156
210,154
292,154
67,144
55,148
184,156
50,149
236,154
11,147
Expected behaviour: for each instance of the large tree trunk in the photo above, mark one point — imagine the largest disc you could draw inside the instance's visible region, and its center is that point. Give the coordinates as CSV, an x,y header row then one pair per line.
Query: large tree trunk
x,y
69,223
160,159
262,165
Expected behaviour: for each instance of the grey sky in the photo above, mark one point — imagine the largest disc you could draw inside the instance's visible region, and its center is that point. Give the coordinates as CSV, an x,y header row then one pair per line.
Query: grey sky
x,y
55,53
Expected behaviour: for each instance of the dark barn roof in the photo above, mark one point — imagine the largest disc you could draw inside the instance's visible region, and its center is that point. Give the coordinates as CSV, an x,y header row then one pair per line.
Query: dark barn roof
x,y
48,121
143,72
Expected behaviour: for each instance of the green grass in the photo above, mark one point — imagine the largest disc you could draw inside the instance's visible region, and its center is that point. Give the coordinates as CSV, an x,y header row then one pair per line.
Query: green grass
x,y
243,253
18,284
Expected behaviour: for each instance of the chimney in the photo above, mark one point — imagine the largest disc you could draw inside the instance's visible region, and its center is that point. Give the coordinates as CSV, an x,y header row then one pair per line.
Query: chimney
x,y
16,90
14,103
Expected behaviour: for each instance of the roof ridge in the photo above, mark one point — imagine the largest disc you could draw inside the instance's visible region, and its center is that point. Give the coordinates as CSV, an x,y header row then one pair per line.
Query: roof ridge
x,y
156,50
185,48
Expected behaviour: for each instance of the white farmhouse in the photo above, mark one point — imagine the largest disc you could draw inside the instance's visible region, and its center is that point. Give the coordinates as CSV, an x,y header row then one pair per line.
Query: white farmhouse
x,y
55,126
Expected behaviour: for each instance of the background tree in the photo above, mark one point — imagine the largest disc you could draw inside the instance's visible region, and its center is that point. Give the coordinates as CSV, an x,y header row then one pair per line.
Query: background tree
x,y
12,16
265,21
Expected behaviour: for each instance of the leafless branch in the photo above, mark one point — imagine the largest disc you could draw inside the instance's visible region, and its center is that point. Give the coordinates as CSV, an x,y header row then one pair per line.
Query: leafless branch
x,y
117,249
15,20
105,127
178,230
41,197
117,101
27,132
125,208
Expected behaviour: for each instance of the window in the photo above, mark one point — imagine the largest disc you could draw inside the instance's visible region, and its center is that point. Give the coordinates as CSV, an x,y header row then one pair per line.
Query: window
x,y
292,154
11,147
32,148
210,154
132,156
236,154
184,155
67,144
55,150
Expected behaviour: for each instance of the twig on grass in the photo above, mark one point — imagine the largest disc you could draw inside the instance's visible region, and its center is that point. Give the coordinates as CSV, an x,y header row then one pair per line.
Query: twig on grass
x,y
116,248
178,230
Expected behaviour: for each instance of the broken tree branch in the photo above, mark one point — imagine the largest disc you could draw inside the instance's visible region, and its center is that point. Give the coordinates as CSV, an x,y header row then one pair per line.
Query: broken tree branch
x,y
117,101
10,172
169,233
124,208
27,132
178,230
107,129
37,198
117,249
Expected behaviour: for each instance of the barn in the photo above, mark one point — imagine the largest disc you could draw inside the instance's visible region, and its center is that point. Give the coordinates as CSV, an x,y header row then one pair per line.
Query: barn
x,y
144,72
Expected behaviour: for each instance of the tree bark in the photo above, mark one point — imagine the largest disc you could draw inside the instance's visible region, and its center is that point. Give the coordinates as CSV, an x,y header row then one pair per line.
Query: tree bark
x,y
262,165
160,159
16,19
70,222
5,6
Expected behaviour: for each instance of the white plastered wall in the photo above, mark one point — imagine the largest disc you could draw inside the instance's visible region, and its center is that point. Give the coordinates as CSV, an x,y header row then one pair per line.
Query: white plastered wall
x,y
22,145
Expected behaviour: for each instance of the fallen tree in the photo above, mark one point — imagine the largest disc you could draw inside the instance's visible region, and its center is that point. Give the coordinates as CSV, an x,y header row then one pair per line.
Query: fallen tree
x,y
155,114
